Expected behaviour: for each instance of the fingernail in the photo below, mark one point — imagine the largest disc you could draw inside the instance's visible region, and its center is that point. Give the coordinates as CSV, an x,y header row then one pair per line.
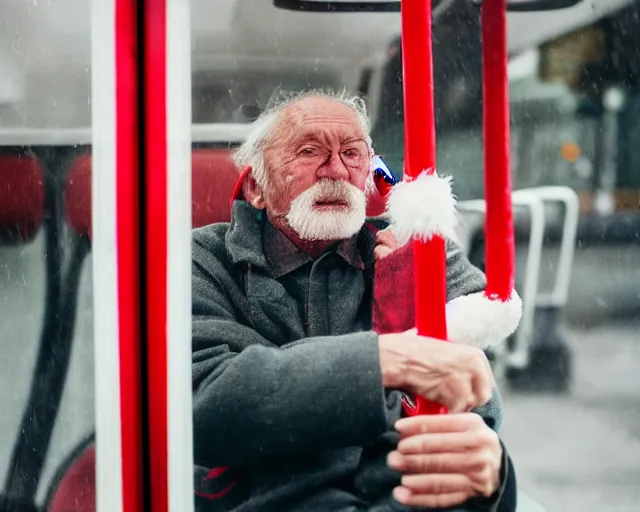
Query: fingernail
x,y
402,494
394,460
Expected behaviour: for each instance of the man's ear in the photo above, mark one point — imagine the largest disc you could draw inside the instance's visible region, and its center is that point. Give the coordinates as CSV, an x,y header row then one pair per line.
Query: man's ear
x,y
252,192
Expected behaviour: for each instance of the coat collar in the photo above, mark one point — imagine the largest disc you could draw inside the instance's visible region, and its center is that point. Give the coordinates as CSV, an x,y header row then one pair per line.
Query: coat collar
x,y
252,240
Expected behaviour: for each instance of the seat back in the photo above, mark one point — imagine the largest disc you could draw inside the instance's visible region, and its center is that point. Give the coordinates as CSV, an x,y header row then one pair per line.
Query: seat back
x,y
213,178
212,182
21,197
74,485
77,195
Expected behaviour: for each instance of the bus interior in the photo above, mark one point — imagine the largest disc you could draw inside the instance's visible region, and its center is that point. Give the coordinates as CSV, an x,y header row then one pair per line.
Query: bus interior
x,y
575,101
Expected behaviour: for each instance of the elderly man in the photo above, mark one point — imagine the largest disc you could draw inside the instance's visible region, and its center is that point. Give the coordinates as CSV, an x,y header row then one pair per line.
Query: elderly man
x,y
297,401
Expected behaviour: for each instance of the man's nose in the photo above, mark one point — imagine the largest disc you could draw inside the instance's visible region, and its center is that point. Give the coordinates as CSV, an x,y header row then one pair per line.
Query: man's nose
x,y
333,168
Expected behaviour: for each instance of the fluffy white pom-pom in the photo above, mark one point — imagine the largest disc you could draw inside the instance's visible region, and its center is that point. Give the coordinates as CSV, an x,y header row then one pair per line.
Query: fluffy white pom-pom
x,y
481,322
422,208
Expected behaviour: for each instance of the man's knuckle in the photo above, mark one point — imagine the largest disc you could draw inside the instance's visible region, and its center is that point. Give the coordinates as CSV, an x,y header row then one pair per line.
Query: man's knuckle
x,y
478,356
411,465
485,441
490,437
486,391
490,478
435,486
422,465
476,420
458,406
487,490
434,465
485,461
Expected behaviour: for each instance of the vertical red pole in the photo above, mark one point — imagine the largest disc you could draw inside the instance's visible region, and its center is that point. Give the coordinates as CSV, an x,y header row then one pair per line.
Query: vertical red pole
x,y
155,90
420,155
128,254
497,170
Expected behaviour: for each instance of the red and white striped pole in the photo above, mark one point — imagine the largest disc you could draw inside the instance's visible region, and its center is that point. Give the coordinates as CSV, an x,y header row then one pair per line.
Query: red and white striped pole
x,y
116,257
167,257
141,172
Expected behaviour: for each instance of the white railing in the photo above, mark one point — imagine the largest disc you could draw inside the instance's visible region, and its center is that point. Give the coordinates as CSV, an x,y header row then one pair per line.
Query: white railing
x,y
534,200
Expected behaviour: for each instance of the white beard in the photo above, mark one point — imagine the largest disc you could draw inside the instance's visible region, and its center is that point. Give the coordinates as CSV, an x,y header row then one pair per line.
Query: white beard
x,y
310,223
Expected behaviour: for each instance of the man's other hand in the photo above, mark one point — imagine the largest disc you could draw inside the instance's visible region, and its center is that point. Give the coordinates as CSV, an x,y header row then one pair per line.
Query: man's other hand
x,y
445,460
386,243
456,376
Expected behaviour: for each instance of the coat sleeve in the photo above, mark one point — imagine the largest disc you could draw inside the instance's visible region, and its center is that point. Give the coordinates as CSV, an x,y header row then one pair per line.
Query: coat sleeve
x,y
253,399
463,278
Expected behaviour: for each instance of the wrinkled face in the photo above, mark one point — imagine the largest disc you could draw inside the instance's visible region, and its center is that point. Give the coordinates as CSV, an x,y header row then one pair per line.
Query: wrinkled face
x,y
318,163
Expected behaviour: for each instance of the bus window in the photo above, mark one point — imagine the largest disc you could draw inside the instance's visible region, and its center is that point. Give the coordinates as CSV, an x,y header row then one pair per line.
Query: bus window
x,y
46,302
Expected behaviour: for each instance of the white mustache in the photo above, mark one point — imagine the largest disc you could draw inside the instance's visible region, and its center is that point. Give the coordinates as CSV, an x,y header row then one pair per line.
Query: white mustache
x,y
311,224
332,191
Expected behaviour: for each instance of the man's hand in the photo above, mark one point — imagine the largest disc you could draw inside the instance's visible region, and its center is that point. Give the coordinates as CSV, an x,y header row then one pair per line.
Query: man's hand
x,y
386,243
445,460
456,376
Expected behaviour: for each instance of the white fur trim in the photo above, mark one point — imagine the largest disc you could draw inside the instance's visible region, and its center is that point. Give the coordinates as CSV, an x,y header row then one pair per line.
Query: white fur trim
x,y
479,321
421,208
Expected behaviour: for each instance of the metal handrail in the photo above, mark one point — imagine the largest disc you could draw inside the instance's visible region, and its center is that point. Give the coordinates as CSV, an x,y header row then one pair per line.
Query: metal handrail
x,y
568,197
534,200
519,357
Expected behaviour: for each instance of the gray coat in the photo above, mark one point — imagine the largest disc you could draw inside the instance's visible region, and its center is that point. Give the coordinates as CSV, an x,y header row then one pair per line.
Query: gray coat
x,y
288,402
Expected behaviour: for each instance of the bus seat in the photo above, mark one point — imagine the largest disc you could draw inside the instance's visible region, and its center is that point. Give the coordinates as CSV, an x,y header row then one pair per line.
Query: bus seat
x,y
213,179
77,195
21,198
74,486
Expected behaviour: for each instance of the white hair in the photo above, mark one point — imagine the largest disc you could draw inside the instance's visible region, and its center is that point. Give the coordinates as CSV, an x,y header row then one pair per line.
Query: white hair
x,y
251,152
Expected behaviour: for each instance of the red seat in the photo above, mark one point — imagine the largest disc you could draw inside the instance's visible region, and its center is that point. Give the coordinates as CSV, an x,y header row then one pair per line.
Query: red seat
x,y
75,491
21,197
213,179
77,195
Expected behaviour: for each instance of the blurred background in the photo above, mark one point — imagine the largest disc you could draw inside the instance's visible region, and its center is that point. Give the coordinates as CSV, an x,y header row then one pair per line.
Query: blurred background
x,y
568,377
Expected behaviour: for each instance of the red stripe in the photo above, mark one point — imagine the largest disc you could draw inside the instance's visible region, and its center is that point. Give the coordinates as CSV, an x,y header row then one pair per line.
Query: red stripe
x,y
217,495
500,253
156,260
127,214
216,472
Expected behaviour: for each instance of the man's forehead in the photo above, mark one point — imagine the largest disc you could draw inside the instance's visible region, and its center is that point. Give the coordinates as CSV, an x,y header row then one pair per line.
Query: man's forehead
x,y
316,115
